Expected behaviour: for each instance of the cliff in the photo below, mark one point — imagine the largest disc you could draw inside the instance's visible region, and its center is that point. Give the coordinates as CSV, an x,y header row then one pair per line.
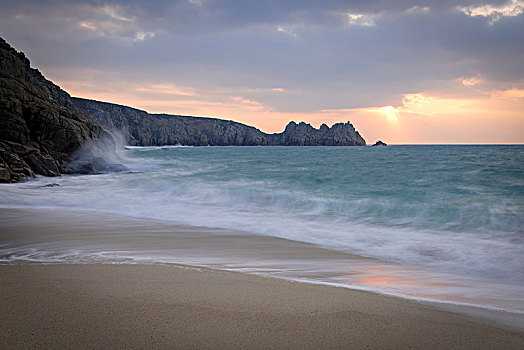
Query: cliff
x,y
45,131
140,128
303,134
41,131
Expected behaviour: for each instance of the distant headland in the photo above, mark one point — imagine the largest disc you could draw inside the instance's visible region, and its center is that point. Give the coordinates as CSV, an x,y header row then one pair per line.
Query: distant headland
x,y
43,130
143,129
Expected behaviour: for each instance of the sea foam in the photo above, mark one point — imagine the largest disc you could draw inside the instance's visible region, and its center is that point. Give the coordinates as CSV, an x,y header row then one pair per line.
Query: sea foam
x,y
446,209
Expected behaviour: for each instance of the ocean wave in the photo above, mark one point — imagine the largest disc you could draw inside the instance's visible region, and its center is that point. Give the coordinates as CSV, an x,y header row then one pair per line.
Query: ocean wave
x,y
154,148
413,206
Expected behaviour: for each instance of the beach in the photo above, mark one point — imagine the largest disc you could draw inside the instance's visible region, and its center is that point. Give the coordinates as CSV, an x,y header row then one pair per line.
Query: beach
x,y
176,307
261,175
139,304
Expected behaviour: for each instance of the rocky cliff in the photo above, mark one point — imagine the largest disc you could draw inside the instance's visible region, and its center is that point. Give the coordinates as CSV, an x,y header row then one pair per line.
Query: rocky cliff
x,y
45,131
41,131
303,134
140,128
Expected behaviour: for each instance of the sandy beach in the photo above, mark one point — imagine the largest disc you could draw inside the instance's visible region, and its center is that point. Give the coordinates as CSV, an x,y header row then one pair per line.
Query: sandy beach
x,y
137,304
140,306
261,175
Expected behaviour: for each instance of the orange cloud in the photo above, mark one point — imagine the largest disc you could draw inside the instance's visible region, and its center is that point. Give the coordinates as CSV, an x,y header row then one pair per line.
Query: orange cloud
x,y
470,81
493,117
512,94
88,25
168,89
250,104
431,119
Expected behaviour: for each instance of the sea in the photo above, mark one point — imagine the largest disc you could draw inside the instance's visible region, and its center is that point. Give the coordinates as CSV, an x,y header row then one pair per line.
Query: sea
x,y
441,223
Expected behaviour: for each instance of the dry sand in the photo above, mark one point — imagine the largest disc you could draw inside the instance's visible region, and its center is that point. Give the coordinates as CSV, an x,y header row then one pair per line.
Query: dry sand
x,y
168,306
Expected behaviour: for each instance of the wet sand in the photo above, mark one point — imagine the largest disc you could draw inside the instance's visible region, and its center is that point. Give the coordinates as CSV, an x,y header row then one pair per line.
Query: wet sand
x,y
176,306
168,306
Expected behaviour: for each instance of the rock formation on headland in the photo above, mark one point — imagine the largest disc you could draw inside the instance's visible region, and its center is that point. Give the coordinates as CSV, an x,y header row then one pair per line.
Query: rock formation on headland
x,y
143,129
302,134
41,131
380,143
44,131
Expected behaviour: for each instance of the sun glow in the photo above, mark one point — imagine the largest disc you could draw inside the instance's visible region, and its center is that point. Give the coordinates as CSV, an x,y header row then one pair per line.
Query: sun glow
x,y
490,116
390,112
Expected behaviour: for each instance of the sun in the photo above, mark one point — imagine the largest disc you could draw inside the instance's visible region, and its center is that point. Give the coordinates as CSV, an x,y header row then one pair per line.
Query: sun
x,y
391,113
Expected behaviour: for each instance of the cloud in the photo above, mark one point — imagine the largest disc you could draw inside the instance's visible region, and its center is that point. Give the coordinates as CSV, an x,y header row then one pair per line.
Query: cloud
x,y
418,9
511,94
418,117
390,112
251,104
287,29
166,89
511,8
427,105
294,58
470,81
88,25
141,35
423,104
116,30
116,13
362,19
112,22
425,118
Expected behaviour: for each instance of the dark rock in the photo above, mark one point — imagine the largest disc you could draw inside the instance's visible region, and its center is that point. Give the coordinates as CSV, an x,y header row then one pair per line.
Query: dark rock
x,y
380,143
40,128
42,164
303,134
80,167
5,175
44,131
117,168
139,128
51,185
18,169
92,166
99,163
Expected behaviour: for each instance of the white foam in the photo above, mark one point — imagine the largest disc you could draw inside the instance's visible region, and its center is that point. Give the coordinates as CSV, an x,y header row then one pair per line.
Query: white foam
x,y
174,186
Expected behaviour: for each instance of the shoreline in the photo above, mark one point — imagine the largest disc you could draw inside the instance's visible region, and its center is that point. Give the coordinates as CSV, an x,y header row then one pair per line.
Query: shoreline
x,y
161,306
209,248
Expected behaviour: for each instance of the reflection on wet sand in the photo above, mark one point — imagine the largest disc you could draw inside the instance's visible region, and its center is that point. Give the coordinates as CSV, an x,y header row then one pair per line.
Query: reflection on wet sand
x,y
91,237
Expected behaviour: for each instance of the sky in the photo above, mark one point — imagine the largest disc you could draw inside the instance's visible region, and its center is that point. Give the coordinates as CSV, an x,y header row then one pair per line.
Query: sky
x,y
405,72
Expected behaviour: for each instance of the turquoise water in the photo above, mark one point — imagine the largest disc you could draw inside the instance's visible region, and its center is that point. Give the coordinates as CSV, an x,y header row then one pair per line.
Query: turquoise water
x,y
445,209
454,208
476,189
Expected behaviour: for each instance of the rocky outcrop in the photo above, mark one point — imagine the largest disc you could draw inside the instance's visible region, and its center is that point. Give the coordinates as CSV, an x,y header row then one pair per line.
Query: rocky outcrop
x,y
303,134
45,131
140,128
379,143
41,131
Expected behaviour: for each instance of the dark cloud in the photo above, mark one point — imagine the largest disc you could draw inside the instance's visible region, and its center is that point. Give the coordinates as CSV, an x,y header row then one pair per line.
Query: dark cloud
x,y
324,58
